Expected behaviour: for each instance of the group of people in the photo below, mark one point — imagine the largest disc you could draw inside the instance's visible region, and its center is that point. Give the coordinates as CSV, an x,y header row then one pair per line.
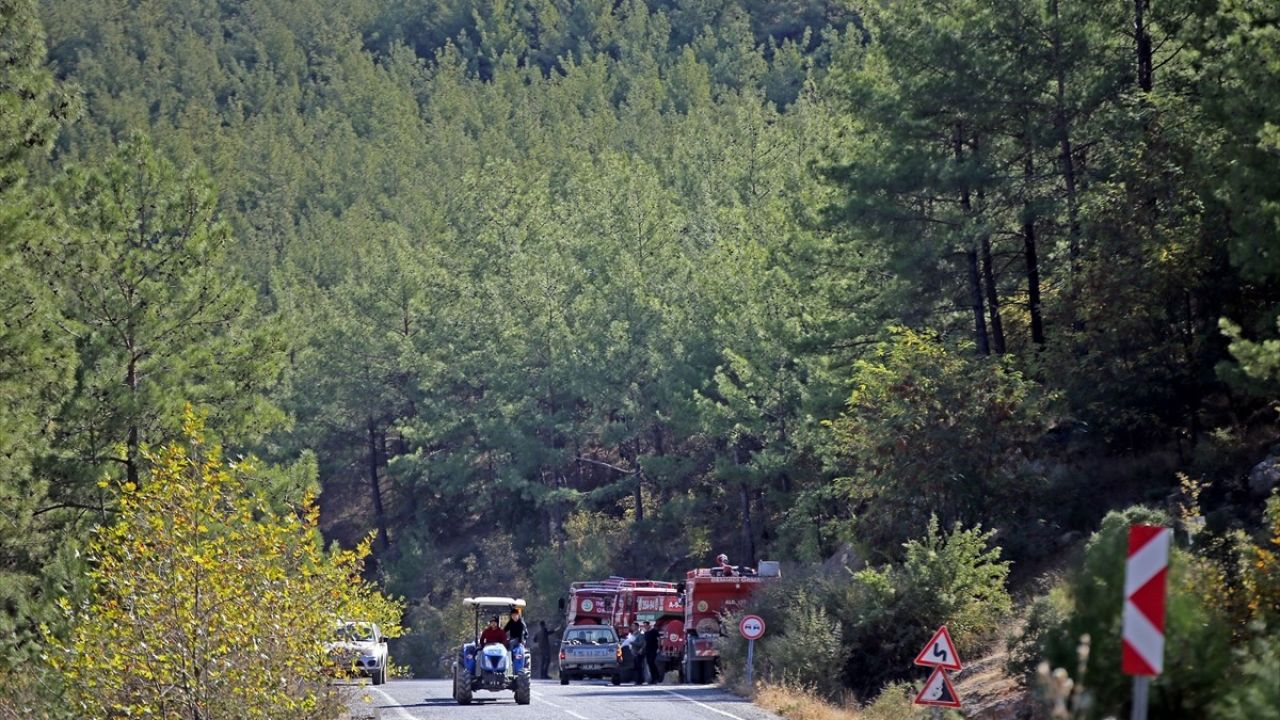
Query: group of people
x,y
644,640
515,632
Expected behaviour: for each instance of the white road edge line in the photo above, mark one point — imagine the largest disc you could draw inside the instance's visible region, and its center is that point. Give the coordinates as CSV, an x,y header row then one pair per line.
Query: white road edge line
x,y
701,704
561,707
400,711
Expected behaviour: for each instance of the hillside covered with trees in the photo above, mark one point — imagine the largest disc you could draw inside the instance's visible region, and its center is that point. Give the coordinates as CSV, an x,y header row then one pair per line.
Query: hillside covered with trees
x,y
546,290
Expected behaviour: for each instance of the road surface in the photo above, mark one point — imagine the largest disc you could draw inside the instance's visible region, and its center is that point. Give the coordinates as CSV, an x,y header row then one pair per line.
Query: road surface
x,y
587,700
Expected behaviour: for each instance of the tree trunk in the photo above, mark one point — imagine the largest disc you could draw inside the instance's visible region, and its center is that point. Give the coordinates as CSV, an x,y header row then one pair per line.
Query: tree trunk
x,y
744,497
1030,252
375,489
971,255
1142,37
975,299
1066,156
993,298
133,438
639,489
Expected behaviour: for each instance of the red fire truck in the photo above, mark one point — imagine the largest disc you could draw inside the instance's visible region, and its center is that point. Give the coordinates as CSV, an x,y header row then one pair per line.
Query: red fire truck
x,y
620,601
709,594
592,602
697,604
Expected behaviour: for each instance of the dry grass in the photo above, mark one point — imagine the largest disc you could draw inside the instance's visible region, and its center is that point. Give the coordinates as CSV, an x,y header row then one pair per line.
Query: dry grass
x,y
799,703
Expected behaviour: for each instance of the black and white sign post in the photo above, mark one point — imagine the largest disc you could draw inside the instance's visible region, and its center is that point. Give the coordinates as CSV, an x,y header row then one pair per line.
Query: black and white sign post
x,y
752,628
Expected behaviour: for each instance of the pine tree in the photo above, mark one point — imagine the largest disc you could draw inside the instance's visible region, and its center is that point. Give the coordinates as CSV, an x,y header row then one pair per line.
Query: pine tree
x,y
36,360
157,316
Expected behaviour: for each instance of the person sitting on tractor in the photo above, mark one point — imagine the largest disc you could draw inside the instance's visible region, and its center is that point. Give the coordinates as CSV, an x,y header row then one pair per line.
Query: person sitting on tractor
x,y
493,634
517,633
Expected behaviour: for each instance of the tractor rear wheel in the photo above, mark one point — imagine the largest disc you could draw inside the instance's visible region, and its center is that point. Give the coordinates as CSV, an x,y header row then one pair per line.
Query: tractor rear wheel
x,y
461,688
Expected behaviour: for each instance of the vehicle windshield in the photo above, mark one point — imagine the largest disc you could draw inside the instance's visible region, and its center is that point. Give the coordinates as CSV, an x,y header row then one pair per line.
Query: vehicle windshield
x,y
355,632
582,636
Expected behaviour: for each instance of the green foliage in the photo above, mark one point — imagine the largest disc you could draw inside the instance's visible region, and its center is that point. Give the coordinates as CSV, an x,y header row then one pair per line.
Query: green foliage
x,y
862,630
207,602
805,646
1047,613
1197,653
589,549
1241,41
36,359
1259,361
549,271
928,430
889,612
141,281
1254,692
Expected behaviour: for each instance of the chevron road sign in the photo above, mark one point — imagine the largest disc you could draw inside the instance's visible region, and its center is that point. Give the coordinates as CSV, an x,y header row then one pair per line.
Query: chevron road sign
x,y
1145,573
1144,584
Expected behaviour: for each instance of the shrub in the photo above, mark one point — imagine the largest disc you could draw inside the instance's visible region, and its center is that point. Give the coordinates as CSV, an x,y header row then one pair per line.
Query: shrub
x,y
890,612
894,703
1047,613
1254,691
804,647
206,602
1196,648
929,430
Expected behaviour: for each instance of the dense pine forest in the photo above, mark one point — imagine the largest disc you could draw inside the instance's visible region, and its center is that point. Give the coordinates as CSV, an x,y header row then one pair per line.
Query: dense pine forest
x,y
536,291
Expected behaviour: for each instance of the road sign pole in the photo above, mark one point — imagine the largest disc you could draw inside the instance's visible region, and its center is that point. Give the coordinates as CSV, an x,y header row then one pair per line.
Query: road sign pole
x,y
751,656
1141,686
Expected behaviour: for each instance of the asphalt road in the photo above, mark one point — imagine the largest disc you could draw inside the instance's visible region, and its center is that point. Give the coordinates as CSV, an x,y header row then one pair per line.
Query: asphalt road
x,y
587,700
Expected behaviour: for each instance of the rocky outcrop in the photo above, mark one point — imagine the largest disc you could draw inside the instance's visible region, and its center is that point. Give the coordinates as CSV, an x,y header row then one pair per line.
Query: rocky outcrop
x,y
1264,478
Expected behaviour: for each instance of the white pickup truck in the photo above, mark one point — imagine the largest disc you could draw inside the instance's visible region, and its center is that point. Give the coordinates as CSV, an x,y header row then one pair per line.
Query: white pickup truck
x,y
590,651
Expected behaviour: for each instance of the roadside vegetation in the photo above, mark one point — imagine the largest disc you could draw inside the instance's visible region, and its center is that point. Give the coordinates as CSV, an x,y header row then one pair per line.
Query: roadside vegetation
x,y
918,298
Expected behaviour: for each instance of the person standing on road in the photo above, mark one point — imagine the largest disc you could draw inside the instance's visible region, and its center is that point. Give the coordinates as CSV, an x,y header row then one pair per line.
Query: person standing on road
x,y
651,643
544,649
637,652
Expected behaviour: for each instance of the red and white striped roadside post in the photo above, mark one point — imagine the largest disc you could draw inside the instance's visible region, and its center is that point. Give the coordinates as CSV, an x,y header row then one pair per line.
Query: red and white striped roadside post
x,y
1145,574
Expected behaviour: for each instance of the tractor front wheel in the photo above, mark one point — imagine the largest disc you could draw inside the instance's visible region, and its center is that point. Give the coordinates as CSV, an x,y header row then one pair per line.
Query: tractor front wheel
x,y
523,692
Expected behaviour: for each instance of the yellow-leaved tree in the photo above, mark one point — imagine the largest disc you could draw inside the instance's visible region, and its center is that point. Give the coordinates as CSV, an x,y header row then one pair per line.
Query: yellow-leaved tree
x,y
208,604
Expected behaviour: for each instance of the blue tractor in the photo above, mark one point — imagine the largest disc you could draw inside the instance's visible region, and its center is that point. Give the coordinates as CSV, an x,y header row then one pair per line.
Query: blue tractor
x,y
494,667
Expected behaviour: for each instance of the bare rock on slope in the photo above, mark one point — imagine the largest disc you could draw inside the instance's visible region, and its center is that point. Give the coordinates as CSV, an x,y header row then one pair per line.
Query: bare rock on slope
x,y
1265,476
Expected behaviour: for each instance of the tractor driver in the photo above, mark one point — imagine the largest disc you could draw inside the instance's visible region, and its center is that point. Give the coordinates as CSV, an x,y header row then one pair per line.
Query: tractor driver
x,y
517,633
493,634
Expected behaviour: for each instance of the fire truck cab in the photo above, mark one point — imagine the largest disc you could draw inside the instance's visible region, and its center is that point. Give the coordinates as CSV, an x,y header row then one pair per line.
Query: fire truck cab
x,y
709,595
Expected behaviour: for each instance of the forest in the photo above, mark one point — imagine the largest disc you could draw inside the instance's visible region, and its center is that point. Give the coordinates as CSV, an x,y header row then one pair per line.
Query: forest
x,y
532,291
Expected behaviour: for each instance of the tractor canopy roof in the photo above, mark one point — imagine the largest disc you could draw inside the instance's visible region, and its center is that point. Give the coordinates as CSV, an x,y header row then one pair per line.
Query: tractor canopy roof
x,y
494,601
